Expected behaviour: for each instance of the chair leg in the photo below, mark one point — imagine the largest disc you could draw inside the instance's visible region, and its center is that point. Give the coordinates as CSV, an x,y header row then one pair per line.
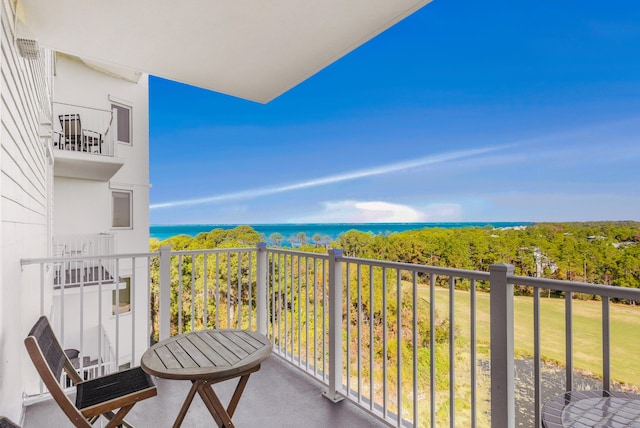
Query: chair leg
x,y
118,418
110,415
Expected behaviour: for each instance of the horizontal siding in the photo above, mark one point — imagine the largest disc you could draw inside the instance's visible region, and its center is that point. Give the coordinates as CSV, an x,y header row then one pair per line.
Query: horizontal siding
x,y
23,212
23,159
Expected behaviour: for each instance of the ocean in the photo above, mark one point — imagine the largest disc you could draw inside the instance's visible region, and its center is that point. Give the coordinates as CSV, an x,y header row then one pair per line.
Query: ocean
x,y
331,230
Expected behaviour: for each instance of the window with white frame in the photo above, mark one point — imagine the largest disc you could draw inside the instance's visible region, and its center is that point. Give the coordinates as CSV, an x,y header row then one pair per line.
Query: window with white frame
x,y
122,208
121,298
123,131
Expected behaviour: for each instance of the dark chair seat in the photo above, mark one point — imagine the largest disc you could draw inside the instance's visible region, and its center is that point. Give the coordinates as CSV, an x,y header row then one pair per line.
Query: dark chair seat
x,y
99,390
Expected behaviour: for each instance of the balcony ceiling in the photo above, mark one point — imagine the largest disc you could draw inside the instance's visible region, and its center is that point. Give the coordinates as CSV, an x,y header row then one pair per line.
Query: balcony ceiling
x,y
252,49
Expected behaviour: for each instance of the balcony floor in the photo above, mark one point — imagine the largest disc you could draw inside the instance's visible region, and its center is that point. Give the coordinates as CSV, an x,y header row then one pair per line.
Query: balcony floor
x,y
279,395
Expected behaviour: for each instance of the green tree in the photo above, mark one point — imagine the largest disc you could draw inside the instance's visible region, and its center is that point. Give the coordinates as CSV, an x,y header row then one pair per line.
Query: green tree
x,y
276,239
302,238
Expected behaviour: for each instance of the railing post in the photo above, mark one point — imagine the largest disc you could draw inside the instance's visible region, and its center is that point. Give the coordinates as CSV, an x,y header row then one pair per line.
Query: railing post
x,y
261,285
165,293
335,326
502,370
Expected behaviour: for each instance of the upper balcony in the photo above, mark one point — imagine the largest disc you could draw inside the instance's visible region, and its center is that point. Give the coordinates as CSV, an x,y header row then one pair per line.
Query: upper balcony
x,y
84,142
74,268
404,345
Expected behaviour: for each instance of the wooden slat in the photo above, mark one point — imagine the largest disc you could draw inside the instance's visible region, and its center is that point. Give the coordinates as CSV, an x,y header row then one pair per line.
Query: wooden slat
x,y
181,355
194,352
213,355
241,340
223,351
226,340
167,358
210,353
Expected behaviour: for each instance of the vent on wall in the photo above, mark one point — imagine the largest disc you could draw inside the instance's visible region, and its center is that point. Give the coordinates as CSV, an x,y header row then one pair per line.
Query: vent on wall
x,y
28,48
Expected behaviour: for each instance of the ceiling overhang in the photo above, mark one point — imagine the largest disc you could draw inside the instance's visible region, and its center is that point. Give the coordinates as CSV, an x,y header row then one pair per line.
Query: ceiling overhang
x,y
251,49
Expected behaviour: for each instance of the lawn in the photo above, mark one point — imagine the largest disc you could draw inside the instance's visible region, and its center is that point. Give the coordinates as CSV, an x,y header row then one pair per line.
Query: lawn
x,y
587,331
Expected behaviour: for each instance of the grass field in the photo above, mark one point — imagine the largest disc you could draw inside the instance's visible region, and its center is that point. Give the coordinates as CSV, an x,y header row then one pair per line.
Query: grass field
x,y
587,331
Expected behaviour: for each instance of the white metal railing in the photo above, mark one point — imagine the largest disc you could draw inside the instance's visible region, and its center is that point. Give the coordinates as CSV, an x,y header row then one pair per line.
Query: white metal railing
x,y
84,245
388,336
81,311
74,269
337,319
502,337
96,365
84,129
217,289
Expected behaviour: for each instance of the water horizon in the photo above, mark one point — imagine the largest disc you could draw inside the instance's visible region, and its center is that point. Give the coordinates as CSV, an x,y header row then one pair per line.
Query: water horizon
x,y
330,230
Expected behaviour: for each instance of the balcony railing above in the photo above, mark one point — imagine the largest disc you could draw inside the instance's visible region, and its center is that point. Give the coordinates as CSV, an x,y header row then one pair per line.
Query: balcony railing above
x,y
83,135
74,268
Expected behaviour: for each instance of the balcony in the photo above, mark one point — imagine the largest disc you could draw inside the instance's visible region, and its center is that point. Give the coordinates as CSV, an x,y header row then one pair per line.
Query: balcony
x,y
77,266
84,142
336,328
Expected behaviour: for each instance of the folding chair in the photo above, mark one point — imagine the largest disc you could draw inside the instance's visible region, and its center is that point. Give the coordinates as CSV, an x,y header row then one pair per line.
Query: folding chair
x,y
77,138
7,423
94,397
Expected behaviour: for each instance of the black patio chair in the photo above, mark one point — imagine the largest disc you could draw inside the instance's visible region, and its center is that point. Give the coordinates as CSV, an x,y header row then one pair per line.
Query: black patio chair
x,y
7,423
95,397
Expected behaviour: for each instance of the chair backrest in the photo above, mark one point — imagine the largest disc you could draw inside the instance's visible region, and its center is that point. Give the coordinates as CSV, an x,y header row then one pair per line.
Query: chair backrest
x,y
71,126
49,359
7,423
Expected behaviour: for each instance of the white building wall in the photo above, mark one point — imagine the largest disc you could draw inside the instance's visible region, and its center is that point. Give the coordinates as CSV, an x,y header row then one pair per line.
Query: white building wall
x,y
23,211
85,206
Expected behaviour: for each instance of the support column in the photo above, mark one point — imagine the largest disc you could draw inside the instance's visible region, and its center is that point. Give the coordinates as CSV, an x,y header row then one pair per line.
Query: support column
x,y
335,326
164,306
502,369
262,289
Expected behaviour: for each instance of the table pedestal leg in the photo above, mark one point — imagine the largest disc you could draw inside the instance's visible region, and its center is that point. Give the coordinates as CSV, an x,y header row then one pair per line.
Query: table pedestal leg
x,y
204,388
187,402
214,405
237,394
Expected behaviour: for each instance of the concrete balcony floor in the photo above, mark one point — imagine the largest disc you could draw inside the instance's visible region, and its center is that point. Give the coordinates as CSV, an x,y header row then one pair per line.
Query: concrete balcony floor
x,y
279,395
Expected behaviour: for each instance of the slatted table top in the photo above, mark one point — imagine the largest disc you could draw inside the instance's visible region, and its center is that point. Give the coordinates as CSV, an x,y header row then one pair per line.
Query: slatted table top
x,y
206,354
580,409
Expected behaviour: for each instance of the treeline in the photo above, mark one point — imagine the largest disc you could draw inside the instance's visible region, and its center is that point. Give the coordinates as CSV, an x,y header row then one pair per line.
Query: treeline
x,y
595,252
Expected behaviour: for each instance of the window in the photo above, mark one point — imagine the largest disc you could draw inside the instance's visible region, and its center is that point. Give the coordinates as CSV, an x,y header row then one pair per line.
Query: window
x,y
121,208
123,133
123,298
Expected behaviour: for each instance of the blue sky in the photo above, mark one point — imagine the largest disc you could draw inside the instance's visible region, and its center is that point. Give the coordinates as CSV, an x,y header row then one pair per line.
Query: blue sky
x,y
465,111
